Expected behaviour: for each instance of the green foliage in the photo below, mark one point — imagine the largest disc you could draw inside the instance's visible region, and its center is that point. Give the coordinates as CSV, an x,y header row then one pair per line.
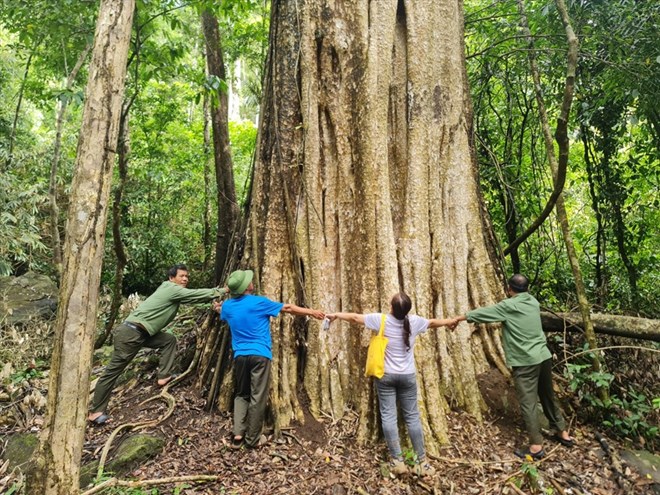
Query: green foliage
x,y
612,201
410,456
180,489
20,223
14,488
134,491
243,137
530,472
27,374
628,413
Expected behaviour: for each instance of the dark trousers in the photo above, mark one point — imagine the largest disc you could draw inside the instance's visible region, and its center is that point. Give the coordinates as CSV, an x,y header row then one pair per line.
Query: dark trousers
x,y
534,383
128,341
252,377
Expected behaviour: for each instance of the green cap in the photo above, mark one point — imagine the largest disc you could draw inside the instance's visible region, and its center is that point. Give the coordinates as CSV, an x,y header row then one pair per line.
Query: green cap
x,y
239,280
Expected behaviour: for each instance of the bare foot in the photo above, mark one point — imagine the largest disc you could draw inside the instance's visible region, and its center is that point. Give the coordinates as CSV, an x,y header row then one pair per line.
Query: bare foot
x,y
98,418
164,381
94,415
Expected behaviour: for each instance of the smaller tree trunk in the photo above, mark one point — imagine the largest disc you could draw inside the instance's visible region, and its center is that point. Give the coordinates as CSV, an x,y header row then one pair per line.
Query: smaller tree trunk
x,y
123,153
57,461
207,188
592,179
227,210
19,103
52,186
618,325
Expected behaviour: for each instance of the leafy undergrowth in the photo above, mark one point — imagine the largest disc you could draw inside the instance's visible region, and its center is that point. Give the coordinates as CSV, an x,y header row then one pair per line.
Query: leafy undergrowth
x,y
322,457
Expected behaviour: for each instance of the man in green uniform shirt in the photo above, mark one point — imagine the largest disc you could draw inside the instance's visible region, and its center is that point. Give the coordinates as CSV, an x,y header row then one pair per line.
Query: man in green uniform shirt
x,y
528,355
143,328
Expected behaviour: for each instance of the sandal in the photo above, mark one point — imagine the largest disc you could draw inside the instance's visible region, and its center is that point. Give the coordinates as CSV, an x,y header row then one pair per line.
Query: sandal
x,y
99,420
524,452
566,443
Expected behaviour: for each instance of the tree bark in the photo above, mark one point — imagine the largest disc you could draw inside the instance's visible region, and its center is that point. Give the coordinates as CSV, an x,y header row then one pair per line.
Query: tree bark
x,y
593,179
206,238
19,103
58,457
618,325
52,185
123,154
224,174
366,184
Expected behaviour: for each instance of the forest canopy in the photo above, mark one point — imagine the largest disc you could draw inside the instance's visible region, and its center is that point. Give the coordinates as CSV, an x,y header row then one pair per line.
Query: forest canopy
x,y
611,188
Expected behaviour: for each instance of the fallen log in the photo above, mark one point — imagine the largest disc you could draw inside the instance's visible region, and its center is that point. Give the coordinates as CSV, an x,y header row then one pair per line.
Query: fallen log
x,y
621,326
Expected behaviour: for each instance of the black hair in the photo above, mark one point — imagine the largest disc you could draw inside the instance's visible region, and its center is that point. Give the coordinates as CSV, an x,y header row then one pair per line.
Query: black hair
x,y
173,270
519,283
401,305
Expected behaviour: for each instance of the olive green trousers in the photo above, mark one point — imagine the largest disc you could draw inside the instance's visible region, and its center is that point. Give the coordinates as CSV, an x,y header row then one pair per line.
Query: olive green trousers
x,y
128,341
534,383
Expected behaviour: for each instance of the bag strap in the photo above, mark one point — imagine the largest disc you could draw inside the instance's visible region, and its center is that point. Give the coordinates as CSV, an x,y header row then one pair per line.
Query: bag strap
x,y
381,332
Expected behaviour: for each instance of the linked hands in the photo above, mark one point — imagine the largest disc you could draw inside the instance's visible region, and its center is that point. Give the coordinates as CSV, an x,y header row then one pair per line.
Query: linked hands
x,y
318,314
453,322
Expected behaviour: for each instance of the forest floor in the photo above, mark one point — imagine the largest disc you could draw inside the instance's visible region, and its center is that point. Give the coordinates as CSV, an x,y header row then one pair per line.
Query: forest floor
x,y
323,457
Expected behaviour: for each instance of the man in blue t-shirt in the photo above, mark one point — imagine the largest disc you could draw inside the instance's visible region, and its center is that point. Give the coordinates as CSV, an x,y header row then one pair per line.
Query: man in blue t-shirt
x,y
248,317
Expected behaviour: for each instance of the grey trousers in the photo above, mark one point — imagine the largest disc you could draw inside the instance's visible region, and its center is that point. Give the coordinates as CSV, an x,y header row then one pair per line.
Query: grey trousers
x,y
128,341
404,388
534,383
252,377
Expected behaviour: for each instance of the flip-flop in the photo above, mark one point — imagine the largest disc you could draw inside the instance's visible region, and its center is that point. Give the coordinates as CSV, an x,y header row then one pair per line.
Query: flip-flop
x,y
236,443
523,452
100,420
564,442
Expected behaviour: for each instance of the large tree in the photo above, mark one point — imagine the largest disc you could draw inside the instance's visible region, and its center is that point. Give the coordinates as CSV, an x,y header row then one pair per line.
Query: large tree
x,y
58,459
366,184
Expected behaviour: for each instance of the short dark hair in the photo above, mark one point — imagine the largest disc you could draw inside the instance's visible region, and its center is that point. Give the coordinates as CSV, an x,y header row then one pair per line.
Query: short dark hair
x,y
173,270
518,283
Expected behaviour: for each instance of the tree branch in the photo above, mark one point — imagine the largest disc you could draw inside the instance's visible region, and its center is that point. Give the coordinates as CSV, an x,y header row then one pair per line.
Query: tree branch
x,y
113,482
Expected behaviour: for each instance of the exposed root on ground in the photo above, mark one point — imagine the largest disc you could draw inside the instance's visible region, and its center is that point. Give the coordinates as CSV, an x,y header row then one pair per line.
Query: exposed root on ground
x,y
114,482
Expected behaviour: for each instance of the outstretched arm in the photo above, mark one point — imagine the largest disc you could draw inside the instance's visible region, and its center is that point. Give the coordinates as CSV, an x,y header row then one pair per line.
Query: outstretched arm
x,y
350,317
299,311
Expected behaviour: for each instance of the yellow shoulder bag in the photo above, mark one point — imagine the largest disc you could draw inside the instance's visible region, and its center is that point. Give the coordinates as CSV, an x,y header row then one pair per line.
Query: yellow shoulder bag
x,y
376,352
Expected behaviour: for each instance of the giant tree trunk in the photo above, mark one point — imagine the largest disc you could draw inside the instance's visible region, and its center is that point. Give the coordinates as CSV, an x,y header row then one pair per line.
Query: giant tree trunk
x,y
58,458
365,184
224,174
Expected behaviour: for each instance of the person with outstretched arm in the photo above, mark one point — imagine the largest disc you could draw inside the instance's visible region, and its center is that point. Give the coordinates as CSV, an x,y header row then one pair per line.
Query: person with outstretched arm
x,y
248,317
527,354
143,328
399,383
